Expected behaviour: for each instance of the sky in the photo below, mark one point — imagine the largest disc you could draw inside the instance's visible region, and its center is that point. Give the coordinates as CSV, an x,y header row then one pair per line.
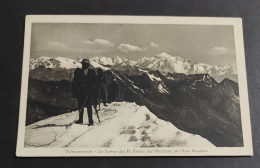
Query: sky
x,y
210,44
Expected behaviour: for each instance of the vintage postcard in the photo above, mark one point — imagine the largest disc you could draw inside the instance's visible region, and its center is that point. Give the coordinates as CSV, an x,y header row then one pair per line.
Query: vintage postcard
x,y
133,86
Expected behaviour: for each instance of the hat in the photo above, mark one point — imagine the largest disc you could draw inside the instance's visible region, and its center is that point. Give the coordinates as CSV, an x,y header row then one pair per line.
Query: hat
x,y
85,61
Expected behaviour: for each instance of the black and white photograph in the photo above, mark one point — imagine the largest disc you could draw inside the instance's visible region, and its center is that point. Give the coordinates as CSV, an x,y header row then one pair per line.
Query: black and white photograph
x,y
133,86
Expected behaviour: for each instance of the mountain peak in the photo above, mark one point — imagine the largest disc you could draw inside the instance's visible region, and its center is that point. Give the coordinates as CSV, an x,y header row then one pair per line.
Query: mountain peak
x,y
102,60
43,58
227,81
163,55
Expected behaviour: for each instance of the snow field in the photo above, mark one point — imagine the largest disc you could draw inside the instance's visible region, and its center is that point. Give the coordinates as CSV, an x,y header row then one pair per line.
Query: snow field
x,y
123,124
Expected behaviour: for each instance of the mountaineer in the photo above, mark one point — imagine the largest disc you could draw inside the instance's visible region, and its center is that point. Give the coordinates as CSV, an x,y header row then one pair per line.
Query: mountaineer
x,y
83,87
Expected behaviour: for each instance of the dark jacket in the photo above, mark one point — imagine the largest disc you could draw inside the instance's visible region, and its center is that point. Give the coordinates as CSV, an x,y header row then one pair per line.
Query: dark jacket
x,y
113,88
83,85
101,81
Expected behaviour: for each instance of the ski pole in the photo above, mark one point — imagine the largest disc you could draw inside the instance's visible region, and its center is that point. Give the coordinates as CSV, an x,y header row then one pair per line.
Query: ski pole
x,y
97,115
82,107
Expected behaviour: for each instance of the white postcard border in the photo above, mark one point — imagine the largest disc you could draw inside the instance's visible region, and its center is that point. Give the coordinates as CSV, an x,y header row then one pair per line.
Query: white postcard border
x,y
247,150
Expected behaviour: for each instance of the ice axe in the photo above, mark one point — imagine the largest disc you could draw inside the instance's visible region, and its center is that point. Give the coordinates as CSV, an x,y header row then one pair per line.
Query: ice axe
x,y
97,114
82,107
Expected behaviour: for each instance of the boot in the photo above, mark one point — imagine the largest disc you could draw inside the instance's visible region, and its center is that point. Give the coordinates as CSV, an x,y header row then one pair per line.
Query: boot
x,y
91,123
79,122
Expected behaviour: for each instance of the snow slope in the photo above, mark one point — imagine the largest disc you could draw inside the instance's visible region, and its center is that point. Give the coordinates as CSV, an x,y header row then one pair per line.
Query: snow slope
x,y
47,62
123,124
61,62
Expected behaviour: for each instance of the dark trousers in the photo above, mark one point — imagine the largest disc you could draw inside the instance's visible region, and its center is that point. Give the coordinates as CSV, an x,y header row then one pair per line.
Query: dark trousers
x,y
81,109
104,100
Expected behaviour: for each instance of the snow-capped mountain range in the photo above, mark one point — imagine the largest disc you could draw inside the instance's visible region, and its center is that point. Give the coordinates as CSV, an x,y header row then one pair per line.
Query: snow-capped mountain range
x,y
163,62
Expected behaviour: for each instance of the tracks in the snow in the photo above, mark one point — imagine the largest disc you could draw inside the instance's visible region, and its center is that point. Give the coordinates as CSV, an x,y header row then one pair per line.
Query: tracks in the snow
x,y
93,127
67,127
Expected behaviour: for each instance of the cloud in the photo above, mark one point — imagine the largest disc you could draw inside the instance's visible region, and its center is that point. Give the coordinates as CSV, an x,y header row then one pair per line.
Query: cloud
x,y
97,46
130,48
101,42
152,44
218,50
57,44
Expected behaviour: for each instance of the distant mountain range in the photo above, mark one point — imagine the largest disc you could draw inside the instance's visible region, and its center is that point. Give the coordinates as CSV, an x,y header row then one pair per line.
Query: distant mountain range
x,y
162,62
